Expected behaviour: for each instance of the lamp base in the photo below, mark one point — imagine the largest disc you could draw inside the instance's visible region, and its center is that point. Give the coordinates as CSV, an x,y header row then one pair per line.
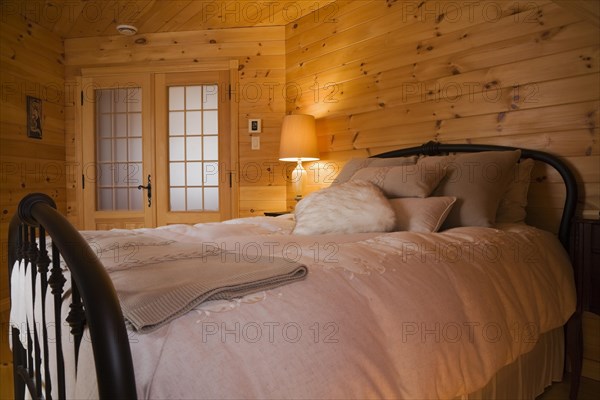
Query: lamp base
x,y
298,179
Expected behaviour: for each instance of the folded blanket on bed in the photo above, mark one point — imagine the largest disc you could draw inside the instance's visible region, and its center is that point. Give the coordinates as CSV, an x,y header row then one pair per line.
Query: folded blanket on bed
x,y
153,294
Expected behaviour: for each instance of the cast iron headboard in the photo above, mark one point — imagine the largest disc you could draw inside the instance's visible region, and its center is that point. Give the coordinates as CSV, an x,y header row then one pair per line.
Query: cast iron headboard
x,y
436,148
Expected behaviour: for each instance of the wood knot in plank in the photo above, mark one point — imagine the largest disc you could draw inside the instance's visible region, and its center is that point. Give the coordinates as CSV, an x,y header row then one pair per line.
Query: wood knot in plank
x,y
491,84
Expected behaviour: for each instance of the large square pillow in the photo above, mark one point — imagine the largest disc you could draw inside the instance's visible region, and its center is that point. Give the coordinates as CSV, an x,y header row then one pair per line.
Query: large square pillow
x,y
478,181
403,181
350,207
421,215
513,205
355,164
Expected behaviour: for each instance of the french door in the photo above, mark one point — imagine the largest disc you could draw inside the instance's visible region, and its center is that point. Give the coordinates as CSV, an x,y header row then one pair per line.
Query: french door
x,y
155,149
193,147
117,151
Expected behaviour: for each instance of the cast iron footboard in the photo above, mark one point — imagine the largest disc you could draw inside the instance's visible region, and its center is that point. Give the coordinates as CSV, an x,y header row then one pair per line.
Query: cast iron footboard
x,y
94,305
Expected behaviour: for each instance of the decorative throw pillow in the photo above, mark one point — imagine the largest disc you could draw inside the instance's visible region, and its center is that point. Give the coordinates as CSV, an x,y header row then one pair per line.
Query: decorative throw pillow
x,y
513,204
421,215
355,164
350,207
478,181
403,181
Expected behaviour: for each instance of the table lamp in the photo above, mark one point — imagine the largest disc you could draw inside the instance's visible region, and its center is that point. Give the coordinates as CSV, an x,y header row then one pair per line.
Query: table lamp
x,y
298,143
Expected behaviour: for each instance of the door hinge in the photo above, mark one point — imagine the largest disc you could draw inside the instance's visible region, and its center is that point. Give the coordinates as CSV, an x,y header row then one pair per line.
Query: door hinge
x,y
82,181
81,97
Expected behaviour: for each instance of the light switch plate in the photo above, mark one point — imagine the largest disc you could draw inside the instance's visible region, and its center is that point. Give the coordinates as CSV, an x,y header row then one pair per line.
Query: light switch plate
x,y
254,126
255,142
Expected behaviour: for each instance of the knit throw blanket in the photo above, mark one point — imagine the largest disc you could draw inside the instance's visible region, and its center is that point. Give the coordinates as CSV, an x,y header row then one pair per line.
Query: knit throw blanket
x,y
152,295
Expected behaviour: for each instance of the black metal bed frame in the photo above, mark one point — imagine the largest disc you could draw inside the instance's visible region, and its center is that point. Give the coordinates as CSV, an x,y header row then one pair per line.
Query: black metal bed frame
x,y
94,302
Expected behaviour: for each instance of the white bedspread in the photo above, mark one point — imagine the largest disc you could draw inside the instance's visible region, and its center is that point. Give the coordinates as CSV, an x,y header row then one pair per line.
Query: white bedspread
x,y
395,315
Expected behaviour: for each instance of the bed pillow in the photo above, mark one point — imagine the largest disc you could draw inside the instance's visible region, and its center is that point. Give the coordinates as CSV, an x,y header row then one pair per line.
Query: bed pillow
x,y
350,207
403,181
355,164
513,204
478,181
421,215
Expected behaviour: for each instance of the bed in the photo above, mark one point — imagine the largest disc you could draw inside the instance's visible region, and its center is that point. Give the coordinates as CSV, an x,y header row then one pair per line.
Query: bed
x,y
432,305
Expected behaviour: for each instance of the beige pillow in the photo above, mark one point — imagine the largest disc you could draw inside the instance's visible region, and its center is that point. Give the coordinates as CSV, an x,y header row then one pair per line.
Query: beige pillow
x,y
478,181
356,164
403,181
350,207
421,215
513,204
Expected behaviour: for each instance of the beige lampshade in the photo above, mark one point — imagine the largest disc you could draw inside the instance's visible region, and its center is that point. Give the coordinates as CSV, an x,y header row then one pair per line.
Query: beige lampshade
x,y
298,139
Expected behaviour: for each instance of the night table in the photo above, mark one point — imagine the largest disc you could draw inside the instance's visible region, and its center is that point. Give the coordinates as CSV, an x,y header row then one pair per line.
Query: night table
x,y
585,255
276,213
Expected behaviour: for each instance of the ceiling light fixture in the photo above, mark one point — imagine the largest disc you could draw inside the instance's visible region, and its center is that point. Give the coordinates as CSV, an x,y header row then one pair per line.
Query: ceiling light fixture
x,y
127,30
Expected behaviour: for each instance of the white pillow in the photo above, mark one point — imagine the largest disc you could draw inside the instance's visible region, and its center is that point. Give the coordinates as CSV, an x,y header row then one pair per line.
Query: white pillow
x,y
350,207
421,215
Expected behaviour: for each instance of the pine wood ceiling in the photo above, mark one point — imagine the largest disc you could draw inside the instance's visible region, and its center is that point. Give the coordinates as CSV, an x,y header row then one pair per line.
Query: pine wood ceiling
x,y
88,18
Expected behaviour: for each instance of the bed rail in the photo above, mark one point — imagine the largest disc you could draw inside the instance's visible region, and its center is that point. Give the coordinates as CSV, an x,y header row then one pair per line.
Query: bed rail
x,y
92,294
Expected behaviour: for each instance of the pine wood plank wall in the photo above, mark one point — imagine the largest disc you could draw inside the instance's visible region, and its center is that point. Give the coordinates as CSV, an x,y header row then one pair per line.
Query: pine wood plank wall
x,y
260,52
31,64
380,75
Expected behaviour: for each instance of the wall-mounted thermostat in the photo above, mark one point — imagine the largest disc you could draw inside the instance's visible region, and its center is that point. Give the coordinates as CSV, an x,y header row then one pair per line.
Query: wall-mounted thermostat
x,y
254,126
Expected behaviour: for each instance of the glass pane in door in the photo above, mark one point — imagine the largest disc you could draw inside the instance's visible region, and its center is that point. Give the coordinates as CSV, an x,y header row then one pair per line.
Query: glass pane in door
x,y
193,148
119,149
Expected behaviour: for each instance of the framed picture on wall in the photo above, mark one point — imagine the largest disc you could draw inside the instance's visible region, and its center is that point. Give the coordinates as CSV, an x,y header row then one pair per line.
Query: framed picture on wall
x,y
34,117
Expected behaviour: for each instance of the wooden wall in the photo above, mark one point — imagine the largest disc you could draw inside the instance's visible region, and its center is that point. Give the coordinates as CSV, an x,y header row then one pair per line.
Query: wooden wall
x,y
260,52
31,64
380,75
